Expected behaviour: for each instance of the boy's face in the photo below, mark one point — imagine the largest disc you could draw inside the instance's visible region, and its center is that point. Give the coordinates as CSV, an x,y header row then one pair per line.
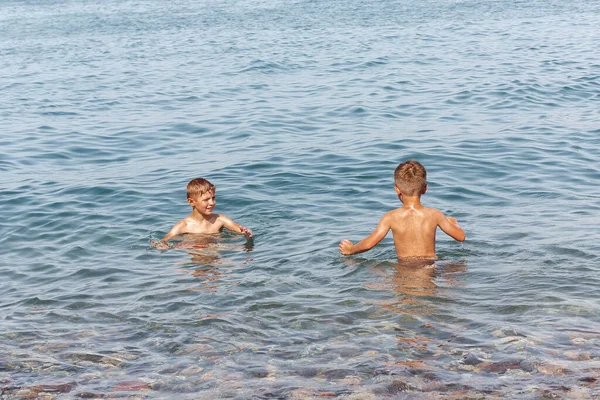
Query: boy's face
x,y
204,203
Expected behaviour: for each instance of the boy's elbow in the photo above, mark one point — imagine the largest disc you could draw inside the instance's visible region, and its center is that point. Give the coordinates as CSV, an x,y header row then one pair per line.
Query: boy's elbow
x,y
168,236
461,237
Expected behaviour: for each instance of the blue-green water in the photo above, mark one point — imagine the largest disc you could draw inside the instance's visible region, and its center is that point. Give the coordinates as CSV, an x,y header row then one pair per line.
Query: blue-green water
x,y
299,112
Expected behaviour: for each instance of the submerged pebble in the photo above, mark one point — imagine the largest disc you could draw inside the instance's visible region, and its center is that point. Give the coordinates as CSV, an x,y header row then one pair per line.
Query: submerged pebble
x,y
257,372
49,388
133,385
398,386
578,355
471,359
548,368
527,366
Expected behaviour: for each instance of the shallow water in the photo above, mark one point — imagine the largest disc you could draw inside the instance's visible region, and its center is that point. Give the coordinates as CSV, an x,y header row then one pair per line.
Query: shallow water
x,y
299,112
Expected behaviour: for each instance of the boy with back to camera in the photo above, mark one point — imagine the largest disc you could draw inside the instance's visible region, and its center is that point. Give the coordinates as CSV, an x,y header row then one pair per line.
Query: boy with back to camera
x,y
201,196
413,225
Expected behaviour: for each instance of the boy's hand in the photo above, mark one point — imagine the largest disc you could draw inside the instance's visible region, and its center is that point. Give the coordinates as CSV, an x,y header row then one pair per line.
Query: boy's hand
x,y
246,231
160,245
346,247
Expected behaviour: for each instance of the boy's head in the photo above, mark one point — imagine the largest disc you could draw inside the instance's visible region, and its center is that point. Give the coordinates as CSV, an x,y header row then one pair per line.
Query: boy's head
x,y
199,186
410,178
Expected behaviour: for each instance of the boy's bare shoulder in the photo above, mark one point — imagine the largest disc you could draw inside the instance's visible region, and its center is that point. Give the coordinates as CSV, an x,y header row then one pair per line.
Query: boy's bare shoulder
x,y
433,210
392,215
181,226
433,213
224,220
185,221
219,219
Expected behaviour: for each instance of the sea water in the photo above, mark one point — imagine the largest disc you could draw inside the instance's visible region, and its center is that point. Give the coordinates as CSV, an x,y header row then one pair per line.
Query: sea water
x,y
298,111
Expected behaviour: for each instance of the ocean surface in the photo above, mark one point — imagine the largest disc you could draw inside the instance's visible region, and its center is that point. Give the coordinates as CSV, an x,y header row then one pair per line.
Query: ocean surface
x,y
298,111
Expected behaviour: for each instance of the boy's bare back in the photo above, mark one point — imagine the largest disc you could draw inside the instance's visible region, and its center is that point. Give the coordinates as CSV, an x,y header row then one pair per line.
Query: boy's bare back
x,y
413,225
414,230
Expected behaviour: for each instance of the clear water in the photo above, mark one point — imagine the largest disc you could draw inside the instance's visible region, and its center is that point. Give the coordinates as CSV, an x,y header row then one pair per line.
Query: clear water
x,y
299,112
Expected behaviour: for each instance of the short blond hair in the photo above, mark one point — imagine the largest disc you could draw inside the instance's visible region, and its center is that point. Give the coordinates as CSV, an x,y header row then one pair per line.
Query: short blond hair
x,y
411,178
199,186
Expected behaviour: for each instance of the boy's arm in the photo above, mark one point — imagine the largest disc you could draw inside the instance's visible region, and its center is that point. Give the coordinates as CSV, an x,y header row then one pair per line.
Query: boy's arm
x,y
177,229
232,226
450,226
347,248
163,244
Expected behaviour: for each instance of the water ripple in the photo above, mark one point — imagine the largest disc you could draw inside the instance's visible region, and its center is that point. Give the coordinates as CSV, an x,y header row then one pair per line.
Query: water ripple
x,y
298,112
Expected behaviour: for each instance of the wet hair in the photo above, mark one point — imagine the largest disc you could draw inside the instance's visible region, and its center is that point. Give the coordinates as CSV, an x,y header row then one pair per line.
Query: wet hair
x,y
411,178
198,186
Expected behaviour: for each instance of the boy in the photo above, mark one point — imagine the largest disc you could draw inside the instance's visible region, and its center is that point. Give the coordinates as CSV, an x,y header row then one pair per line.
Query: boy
x,y
201,196
412,225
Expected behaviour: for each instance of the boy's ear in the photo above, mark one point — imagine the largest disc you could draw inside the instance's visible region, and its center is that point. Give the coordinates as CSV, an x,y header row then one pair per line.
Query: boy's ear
x,y
190,201
397,190
425,188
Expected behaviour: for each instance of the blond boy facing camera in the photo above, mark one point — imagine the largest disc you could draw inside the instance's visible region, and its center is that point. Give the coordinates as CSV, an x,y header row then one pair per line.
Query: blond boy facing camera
x,y
201,196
